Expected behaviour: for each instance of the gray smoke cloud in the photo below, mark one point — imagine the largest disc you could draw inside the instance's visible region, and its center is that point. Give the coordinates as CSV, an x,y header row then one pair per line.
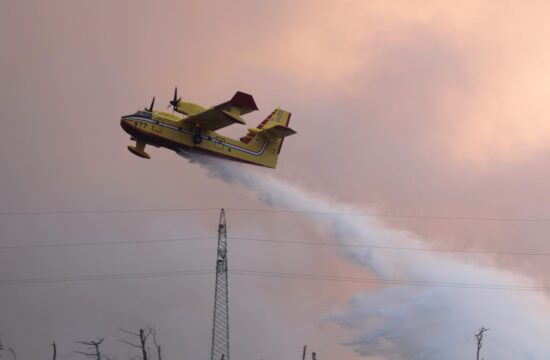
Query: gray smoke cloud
x,y
430,304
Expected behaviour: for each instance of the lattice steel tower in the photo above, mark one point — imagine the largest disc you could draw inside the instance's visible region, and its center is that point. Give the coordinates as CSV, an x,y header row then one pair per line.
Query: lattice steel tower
x,y
220,327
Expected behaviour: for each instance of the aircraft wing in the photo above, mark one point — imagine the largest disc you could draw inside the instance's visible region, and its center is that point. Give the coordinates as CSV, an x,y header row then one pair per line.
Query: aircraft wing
x,y
224,114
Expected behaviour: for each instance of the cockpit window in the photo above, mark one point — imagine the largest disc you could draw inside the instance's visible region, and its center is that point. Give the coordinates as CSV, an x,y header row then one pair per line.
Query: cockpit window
x,y
144,114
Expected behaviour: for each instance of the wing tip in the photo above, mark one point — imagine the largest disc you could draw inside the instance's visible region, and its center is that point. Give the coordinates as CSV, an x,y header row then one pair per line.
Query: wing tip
x,y
244,101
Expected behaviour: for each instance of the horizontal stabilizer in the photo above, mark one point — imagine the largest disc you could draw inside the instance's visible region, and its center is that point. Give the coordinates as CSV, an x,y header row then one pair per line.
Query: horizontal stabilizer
x,y
274,126
277,131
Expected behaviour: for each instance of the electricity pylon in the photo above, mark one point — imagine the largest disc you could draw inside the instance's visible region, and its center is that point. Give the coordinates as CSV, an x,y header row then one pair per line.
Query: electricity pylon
x,y
220,327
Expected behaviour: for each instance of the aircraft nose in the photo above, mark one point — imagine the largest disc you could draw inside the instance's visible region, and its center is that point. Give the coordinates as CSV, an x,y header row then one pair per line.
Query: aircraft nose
x,y
124,120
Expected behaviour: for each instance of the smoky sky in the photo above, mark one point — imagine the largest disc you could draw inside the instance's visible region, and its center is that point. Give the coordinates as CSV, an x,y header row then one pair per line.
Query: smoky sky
x,y
432,109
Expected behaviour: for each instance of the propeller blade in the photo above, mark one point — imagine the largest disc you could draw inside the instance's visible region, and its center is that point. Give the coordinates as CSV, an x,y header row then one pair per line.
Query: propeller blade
x,y
152,104
176,100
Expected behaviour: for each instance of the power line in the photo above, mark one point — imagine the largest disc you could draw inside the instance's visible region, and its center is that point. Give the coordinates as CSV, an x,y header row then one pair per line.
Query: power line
x,y
288,242
102,211
387,281
280,275
289,211
102,243
400,216
104,277
381,247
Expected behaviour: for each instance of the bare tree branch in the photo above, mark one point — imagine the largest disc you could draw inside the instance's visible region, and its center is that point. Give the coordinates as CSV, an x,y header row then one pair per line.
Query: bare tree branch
x,y
129,343
86,354
3,347
157,346
128,332
142,335
479,339
92,346
87,343
143,339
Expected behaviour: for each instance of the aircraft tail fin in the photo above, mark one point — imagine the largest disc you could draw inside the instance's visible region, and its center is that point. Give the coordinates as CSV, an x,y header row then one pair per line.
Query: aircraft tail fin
x,y
273,129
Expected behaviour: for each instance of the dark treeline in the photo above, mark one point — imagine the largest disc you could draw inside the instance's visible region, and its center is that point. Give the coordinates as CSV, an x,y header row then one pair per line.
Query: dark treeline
x,y
140,341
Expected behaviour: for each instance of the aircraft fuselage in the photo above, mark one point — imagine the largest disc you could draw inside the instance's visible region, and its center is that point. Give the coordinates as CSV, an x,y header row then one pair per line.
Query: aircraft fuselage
x,y
162,129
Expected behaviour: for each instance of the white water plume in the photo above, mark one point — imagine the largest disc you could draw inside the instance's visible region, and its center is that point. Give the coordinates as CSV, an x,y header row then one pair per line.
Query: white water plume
x,y
431,303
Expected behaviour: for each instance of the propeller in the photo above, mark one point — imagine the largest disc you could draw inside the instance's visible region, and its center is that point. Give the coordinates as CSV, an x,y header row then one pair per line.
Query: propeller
x,y
175,101
150,109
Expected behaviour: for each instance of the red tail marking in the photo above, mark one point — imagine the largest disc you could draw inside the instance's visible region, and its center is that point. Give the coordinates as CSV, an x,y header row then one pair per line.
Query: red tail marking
x,y
248,137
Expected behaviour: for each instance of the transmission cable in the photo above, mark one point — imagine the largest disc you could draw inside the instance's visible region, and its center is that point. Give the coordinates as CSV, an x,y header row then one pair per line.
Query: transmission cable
x,y
280,275
105,277
260,240
102,243
260,210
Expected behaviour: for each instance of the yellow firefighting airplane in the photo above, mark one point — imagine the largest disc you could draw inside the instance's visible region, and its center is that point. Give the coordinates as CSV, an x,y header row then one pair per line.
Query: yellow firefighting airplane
x,y
196,131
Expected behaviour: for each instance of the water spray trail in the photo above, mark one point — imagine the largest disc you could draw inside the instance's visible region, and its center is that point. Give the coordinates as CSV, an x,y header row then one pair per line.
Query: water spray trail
x,y
408,322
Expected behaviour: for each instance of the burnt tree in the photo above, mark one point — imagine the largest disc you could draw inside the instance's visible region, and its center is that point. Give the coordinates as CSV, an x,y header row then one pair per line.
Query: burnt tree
x,y
142,336
479,339
157,346
91,350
